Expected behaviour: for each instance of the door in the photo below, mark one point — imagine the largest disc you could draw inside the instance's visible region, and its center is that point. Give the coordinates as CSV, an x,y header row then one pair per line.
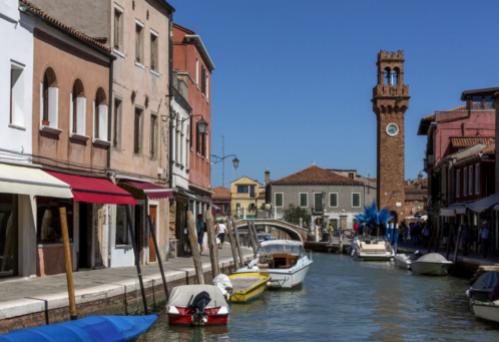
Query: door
x,y
85,245
152,214
8,235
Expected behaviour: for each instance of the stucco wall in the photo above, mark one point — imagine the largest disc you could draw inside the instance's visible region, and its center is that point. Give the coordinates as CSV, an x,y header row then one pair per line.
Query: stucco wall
x,y
17,40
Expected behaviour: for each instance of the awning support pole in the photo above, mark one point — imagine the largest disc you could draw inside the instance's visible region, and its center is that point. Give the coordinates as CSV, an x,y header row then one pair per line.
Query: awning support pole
x,y
69,265
152,231
137,256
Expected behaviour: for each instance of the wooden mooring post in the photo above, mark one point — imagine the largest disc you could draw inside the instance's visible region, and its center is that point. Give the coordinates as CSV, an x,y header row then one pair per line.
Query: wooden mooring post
x,y
232,239
69,265
212,243
238,244
252,237
152,231
196,253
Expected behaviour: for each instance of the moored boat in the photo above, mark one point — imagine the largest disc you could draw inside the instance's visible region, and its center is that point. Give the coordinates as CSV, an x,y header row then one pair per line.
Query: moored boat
x,y
247,286
374,249
431,264
484,296
91,329
284,260
405,260
197,305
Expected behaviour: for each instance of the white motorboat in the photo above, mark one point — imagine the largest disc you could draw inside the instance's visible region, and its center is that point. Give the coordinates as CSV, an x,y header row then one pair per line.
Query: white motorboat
x,y
431,264
284,260
372,250
405,260
484,296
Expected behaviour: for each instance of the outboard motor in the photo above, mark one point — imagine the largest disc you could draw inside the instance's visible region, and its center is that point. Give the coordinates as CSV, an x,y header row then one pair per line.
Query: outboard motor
x,y
198,304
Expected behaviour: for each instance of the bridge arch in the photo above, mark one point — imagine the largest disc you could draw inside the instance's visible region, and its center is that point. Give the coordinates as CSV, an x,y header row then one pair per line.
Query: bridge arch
x,y
294,232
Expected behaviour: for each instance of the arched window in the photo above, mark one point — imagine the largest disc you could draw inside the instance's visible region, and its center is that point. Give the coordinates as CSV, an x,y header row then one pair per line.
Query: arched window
x,y
100,116
395,76
49,104
387,76
78,109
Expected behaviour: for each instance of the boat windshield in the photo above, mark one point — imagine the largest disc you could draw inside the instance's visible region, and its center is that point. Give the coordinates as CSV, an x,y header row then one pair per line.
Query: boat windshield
x,y
288,249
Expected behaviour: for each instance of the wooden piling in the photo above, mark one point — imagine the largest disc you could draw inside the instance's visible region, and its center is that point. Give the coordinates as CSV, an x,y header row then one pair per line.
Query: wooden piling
x,y
69,265
252,237
212,243
238,244
196,253
232,240
152,231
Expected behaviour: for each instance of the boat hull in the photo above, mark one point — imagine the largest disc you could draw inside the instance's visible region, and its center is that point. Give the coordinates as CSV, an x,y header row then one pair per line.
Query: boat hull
x,y
187,319
288,279
402,261
253,291
430,268
486,311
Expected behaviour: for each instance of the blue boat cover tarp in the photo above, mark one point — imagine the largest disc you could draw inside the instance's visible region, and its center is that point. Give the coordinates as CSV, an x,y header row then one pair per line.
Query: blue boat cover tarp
x,y
89,329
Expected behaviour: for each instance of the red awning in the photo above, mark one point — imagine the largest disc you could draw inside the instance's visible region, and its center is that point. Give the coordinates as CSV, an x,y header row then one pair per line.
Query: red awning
x,y
152,191
94,190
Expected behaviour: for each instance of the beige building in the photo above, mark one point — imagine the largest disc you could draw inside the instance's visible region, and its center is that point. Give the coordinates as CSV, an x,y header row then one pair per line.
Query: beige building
x,y
247,197
138,33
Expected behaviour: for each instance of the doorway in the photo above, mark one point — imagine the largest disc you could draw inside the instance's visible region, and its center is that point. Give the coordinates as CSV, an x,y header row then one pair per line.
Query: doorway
x,y
85,236
153,210
8,235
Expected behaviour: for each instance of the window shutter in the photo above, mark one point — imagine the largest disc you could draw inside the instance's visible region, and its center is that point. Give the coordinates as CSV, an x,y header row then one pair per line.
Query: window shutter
x,y
81,107
71,123
103,122
41,102
53,106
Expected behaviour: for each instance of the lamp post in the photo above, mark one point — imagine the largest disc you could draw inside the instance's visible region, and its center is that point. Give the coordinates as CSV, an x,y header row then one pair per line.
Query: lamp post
x,y
215,159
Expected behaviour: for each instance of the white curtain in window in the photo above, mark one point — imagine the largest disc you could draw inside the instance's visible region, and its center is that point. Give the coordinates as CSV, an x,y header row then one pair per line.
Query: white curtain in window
x,y
53,106
102,122
81,109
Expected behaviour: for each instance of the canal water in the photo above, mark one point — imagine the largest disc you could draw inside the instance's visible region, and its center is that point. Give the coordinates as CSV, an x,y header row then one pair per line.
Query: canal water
x,y
347,300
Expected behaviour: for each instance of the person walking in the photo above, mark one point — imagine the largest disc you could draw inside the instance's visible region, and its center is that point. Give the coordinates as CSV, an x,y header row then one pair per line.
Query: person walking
x,y
484,238
200,229
221,228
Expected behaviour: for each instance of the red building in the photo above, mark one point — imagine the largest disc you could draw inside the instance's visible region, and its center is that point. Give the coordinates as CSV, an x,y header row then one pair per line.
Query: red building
x,y
193,64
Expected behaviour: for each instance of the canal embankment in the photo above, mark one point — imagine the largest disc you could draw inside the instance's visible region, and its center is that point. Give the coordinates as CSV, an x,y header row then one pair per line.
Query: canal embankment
x,y
38,301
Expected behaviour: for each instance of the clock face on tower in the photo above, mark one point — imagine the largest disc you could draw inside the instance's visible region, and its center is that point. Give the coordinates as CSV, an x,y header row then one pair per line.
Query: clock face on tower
x,y
392,129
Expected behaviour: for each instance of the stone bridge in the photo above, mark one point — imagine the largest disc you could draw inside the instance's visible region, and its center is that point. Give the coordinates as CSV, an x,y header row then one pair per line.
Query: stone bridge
x,y
294,232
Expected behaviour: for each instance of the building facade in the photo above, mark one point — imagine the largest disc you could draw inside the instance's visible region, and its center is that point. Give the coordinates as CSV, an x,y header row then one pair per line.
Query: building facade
x,y
390,102
247,197
322,193
193,65
221,202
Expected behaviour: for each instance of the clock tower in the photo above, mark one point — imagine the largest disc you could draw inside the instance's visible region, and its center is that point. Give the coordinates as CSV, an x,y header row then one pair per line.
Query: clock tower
x,y
390,101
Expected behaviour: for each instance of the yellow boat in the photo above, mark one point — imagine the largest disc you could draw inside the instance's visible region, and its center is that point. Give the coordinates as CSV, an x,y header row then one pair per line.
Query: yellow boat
x,y
247,286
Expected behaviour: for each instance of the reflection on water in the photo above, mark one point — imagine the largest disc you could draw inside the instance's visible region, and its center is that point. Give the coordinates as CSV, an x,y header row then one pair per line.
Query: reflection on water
x,y
347,300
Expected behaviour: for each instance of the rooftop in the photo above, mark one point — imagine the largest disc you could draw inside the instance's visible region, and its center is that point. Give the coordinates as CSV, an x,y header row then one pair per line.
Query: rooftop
x,y
315,175
221,193
463,142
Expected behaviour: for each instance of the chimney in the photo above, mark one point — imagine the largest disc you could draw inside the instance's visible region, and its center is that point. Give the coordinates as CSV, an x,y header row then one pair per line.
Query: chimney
x,y
267,177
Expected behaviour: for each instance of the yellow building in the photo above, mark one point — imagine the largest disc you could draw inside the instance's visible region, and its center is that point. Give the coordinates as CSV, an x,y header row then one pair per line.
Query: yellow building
x,y
247,197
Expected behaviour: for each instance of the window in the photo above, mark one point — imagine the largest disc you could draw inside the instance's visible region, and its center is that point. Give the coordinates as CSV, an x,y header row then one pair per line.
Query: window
x,y
470,180
465,182
318,201
16,94
100,116
122,237
477,179
117,123
200,141
77,108
333,200
154,51
49,104
197,72
139,43
118,30
203,80
207,88
243,189
49,220
355,200
458,183
153,145
303,199
137,131
278,200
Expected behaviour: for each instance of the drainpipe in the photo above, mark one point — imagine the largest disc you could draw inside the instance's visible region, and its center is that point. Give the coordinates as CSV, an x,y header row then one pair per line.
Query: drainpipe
x,y
170,95
108,166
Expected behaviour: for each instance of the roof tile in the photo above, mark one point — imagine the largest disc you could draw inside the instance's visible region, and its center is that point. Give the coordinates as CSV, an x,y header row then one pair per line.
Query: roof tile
x,y
315,175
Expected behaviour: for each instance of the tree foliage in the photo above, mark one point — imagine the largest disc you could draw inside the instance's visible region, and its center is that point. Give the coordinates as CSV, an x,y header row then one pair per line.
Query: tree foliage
x,y
293,214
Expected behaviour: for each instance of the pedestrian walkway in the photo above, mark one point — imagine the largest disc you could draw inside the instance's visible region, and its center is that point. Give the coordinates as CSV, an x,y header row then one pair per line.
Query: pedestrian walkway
x,y
19,297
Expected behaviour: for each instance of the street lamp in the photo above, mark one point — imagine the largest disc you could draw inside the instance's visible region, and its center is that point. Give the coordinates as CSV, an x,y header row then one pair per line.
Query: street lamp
x,y
215,159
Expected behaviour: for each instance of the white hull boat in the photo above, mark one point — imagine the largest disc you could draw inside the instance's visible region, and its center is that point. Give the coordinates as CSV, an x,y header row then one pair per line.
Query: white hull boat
x,y
405,260
372,250
431,264
284,260
484,296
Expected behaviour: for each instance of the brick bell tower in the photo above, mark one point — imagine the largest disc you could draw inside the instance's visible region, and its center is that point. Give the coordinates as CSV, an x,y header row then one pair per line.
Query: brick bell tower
x,y
390,101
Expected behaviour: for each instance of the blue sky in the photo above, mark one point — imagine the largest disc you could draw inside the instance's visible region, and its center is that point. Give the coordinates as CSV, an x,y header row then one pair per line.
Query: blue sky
x,y
293,79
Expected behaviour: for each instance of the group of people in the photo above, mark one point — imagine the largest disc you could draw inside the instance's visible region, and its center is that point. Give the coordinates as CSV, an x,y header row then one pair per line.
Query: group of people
x,y
201,229
470,238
